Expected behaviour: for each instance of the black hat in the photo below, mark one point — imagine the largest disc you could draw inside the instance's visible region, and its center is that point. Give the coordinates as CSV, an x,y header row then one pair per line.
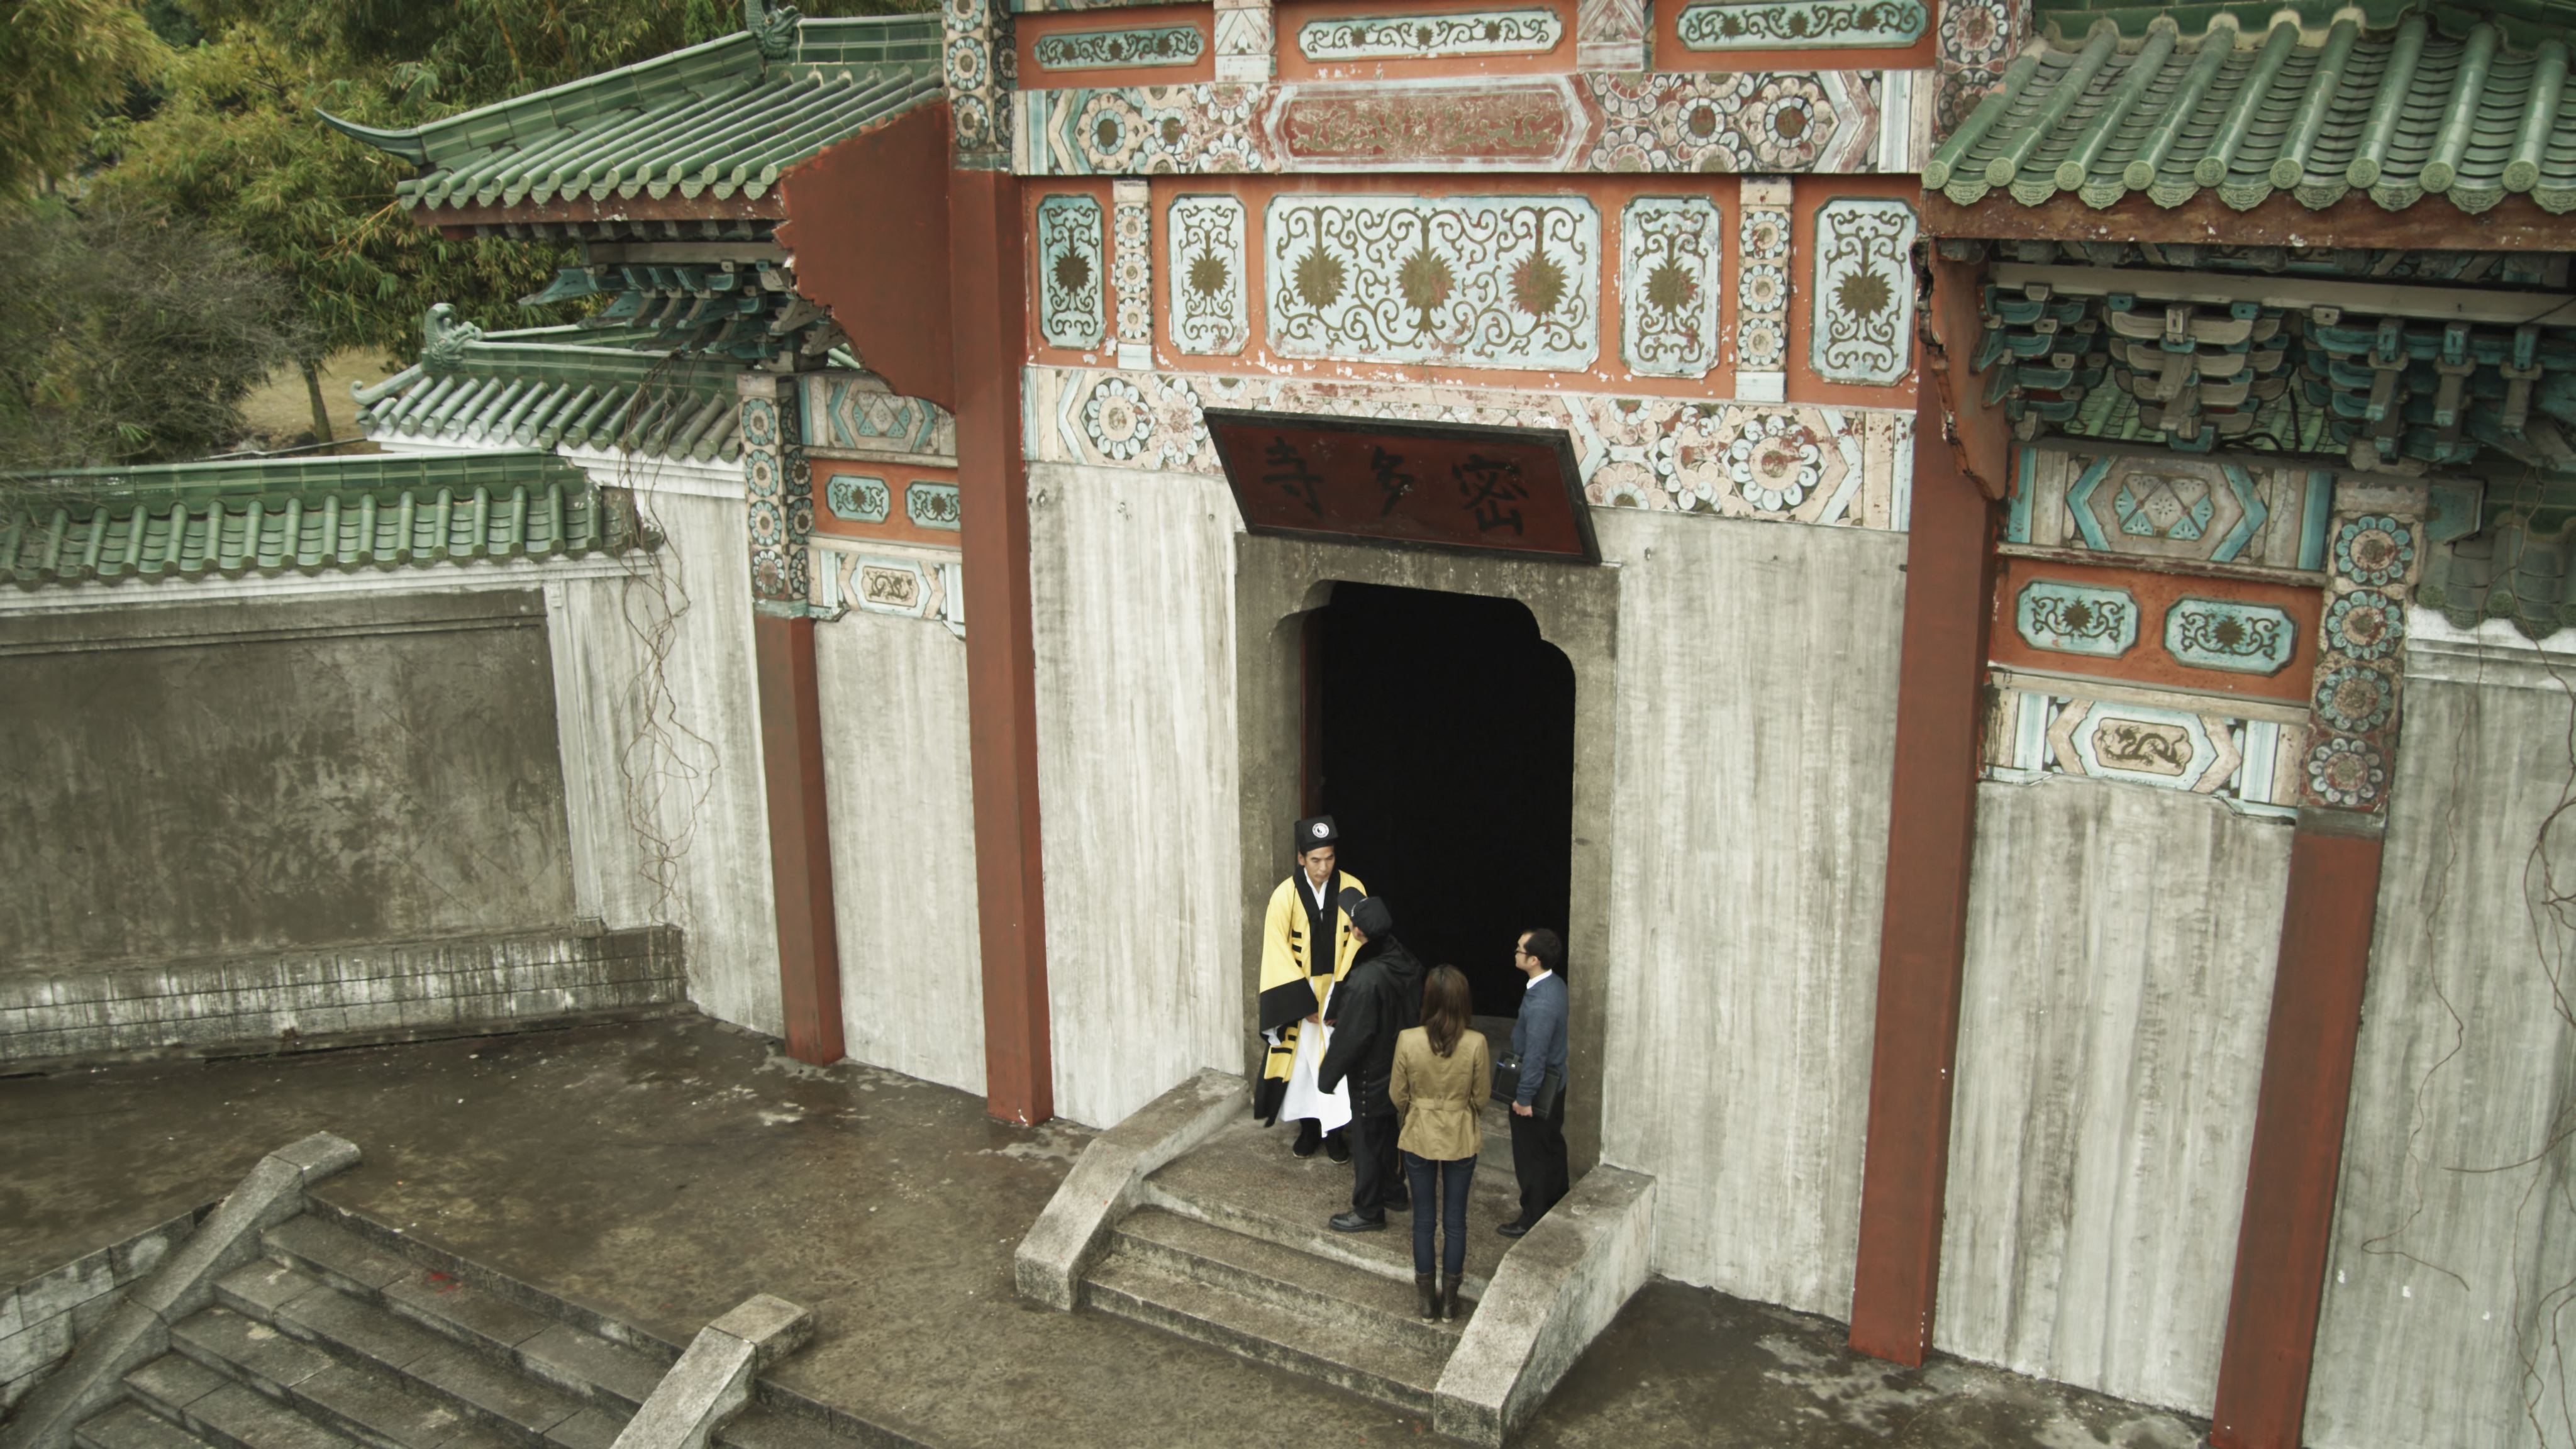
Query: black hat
x,y
1373,918
1316,832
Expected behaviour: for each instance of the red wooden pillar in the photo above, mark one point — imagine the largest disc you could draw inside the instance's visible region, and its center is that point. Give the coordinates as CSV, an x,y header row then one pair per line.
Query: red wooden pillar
x,y
988,302
2298,1131
800,841
776,511
1949,587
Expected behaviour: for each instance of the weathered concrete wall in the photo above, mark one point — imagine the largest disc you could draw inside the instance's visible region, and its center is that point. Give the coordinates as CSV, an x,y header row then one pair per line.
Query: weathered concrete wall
x,y
903,846
1131,574
668,787
2119,978
2445,1317
198,779
380,991
1756,713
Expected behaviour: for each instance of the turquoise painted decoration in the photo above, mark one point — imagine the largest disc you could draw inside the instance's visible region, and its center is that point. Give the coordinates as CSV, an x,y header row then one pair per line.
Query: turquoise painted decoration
x,y
1072,292
1119,49
855,499
2168,508
931,505
1802,24
2082,619
2235,637
2141,516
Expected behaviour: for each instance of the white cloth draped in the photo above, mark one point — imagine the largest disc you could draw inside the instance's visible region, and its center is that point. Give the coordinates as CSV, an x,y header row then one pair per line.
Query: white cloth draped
x,y
1331,1110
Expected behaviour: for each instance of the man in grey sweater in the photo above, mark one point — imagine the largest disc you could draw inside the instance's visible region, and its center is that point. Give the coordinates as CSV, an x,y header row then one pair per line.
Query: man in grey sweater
x,y
1538,1102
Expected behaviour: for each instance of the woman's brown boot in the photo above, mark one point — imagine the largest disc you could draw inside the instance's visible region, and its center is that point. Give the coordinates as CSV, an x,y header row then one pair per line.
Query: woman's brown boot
x,y
1426,1286
1449,1301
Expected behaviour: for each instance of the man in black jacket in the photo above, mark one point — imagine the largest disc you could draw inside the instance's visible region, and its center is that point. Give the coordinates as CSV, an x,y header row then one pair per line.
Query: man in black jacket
x,y
1381,998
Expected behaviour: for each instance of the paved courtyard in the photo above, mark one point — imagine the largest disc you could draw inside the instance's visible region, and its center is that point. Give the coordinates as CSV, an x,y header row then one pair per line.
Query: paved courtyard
x,y
663,1171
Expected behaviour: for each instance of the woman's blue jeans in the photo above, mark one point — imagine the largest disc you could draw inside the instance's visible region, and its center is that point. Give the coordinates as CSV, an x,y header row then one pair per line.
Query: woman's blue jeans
x,y
1453,1179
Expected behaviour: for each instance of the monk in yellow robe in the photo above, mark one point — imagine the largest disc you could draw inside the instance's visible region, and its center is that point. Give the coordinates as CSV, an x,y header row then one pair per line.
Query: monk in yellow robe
x,y
1306,946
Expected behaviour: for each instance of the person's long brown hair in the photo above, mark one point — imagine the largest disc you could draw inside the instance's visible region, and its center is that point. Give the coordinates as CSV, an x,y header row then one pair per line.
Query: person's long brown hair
x,y
1447,1006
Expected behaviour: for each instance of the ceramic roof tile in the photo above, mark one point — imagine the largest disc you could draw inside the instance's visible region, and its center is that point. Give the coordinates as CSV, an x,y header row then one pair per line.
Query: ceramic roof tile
x,y
270,516
2397,116
567,387
719,120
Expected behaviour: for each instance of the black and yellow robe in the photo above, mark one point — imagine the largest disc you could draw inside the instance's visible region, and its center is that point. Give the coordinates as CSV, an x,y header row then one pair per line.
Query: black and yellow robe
x,y
1296,978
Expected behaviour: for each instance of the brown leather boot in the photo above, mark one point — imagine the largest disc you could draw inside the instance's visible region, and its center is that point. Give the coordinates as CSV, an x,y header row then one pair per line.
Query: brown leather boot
x,y
1426,1286
1449,1308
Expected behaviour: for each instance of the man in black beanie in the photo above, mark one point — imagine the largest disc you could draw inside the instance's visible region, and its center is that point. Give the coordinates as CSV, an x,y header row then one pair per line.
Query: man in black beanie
x,y
1381,998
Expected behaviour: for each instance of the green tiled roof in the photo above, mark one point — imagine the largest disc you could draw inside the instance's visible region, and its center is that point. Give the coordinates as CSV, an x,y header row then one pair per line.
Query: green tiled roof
x,y
566,387
2396,116
188,519
723,119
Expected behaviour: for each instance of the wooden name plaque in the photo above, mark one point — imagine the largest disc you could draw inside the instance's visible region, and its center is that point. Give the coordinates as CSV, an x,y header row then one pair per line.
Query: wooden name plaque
x,y
1434,485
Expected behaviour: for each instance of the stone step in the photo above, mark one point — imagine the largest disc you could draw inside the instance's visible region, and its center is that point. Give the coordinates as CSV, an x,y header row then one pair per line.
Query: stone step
x,y
352,1401
1387,1254
222,1412
495,1283
763,1427
499,1394
132,1426
1257,1268
1389,1368
612,1376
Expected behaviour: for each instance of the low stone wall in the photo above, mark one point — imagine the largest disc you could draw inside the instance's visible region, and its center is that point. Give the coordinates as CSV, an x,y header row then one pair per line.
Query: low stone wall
x,y
341,996
40,1317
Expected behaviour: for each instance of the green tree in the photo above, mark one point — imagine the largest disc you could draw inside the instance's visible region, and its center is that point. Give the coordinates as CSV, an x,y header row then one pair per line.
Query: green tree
x,y
61,63
234,140
127,337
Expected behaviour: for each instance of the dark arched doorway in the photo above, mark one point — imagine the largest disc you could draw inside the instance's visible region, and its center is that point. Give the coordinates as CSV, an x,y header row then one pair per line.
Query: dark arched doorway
x,y
1440,736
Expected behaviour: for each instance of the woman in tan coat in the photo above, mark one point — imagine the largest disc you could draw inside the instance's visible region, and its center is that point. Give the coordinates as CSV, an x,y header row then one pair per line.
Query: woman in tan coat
x,y
1443,1074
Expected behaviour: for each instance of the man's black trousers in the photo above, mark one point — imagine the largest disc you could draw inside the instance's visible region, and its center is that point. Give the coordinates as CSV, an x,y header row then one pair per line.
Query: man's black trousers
x,y
1375,1177
1538,1159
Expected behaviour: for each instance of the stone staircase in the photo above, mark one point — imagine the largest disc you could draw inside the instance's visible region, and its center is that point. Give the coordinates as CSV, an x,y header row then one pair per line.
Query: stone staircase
x,y
334,1339
1229,1247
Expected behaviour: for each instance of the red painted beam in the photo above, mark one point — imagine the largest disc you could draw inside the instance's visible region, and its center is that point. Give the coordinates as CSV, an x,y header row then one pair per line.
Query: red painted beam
x,y
800,842
867,222
1949,580
984,229
2298,1132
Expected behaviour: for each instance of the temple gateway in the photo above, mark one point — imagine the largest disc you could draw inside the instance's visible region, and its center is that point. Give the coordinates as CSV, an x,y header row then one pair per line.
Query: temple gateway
x,y
2000,570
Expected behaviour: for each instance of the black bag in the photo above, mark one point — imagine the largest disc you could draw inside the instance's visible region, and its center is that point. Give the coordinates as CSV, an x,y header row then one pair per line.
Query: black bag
x,y
1551,1093
1507,1086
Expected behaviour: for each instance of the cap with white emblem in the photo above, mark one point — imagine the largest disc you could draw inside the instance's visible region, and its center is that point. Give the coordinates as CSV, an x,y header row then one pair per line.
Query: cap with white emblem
x,y
1315,833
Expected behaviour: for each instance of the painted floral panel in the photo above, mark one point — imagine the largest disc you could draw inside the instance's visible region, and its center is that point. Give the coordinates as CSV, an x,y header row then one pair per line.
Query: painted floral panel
x,y
1072,306
2229,635
1210,316
1430,37
1116,49
1801,24
1863,327
1669,250
1470,281
2076,618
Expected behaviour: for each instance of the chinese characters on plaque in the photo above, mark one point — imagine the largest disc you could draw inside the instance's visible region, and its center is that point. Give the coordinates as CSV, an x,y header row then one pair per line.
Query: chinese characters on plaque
x,y
1440,485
